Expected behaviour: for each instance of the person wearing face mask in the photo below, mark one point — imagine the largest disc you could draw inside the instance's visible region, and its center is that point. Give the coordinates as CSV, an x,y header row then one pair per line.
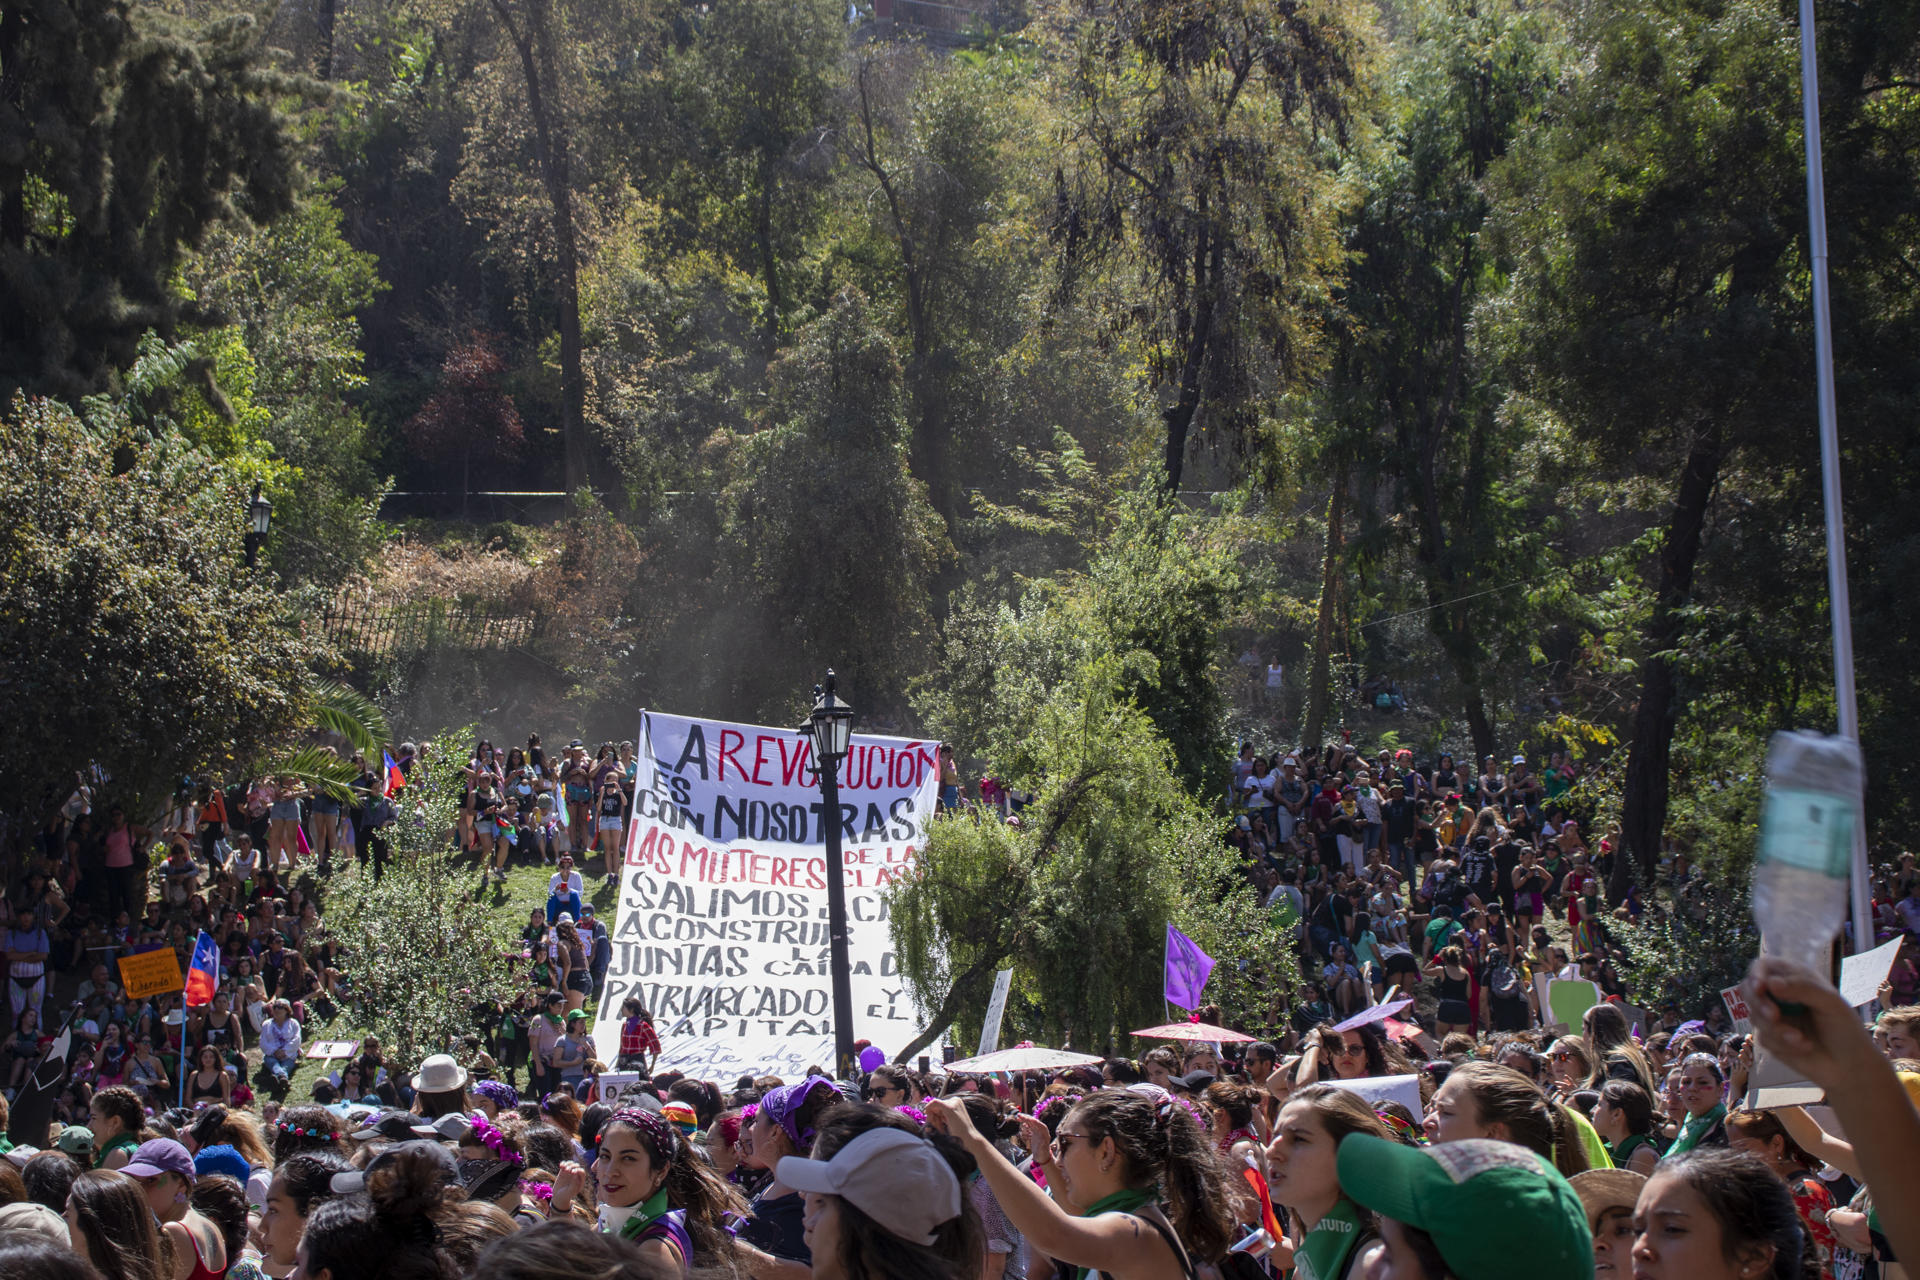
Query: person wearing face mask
x,y
1701,1088
1468,1210
1608,1196
1714,1214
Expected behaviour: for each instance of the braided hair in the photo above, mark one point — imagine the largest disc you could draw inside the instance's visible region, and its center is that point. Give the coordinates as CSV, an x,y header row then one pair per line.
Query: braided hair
x,y
1163,1147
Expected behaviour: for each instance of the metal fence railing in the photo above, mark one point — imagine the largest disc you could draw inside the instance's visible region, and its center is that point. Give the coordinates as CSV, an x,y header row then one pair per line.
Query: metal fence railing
x,y
385,629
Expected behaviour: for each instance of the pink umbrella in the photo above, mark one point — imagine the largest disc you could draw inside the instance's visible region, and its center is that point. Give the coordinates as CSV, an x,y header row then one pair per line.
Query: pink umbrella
x,y
1189,1031
1378,1013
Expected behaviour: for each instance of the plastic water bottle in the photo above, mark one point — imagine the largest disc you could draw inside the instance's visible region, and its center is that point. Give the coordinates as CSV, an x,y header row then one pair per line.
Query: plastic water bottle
x,y
1806,846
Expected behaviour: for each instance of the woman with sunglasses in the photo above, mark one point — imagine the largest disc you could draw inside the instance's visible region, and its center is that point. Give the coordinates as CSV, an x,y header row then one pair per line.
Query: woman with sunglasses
x,y
890,1086
1119,1157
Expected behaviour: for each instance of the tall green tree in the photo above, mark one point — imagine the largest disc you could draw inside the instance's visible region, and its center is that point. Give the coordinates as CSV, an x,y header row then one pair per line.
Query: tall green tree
x,y
1415,395
1154,598
759,82
125,134
826,541
290,290
132,636
927,137
1192,198
1661,224
1077,898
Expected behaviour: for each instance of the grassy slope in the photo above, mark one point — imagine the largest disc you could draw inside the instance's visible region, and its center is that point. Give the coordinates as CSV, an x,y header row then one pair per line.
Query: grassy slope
x,y
525,888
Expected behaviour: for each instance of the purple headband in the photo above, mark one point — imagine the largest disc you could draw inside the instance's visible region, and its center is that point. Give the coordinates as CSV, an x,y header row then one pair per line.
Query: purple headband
x,y
659,1136
783,1105
498,1092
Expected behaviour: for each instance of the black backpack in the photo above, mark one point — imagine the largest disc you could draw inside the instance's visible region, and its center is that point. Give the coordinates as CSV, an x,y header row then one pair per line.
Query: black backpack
x,y
1502,980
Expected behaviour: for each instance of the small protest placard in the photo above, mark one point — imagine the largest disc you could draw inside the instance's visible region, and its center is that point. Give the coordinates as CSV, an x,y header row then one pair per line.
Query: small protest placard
x,y
151,973
1737,1006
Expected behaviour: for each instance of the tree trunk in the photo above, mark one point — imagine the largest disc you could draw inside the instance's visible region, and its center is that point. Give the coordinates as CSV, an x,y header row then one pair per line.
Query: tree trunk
x,y
1323,631
328,20
963,987
535,44
13,173
1479,724
1178,417
763,233
1643,816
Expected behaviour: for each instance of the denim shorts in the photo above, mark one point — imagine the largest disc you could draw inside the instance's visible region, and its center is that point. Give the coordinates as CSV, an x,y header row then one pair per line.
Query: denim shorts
x,y
486,828
326,807
610,824
285,811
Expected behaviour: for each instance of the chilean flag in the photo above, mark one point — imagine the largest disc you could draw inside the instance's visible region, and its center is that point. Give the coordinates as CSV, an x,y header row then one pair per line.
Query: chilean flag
x,y
395,778
204,974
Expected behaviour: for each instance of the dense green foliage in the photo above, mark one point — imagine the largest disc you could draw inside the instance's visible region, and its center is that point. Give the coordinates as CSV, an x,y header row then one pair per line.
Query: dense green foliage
x,y
127,617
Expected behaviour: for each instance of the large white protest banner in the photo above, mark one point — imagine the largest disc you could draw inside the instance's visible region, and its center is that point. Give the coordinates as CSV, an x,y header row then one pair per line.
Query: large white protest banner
x,y
721,928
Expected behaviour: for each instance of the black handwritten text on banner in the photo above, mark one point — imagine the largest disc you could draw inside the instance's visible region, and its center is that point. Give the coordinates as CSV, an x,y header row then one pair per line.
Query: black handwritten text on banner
x,y
721,928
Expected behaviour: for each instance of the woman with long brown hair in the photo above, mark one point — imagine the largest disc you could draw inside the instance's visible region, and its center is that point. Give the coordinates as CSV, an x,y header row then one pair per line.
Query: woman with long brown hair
x,y
1120,1157
110,1226
1482,1100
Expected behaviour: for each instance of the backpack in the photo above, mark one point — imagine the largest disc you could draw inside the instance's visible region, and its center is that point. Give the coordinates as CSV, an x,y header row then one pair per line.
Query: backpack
x,y
1503,981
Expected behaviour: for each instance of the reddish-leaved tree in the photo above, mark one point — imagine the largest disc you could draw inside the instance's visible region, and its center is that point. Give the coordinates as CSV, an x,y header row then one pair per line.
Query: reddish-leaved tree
x,y
469,417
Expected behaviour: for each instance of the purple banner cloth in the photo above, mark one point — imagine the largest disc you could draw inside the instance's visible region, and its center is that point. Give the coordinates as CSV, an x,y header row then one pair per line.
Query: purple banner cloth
x,y
1187,969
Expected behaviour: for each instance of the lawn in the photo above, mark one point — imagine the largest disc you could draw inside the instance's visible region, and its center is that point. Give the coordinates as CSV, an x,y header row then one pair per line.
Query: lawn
x,y
508,904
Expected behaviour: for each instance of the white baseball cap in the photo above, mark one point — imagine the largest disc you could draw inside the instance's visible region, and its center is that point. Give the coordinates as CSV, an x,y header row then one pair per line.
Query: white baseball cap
x,y
894,1177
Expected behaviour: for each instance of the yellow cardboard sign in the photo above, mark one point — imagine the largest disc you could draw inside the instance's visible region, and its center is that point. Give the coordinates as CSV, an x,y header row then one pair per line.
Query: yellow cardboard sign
x,y
151,973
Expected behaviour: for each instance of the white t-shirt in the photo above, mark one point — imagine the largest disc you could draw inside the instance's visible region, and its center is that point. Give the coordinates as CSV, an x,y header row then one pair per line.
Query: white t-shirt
x,y
559,885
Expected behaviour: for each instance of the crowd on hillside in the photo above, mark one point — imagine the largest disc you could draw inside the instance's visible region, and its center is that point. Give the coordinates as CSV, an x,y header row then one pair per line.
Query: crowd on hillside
x,y
1536,1149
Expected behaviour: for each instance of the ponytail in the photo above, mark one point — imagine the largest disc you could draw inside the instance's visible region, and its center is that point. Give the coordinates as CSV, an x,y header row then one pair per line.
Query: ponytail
x,y
1503,1096
412,1224
1163,1146
1569,1147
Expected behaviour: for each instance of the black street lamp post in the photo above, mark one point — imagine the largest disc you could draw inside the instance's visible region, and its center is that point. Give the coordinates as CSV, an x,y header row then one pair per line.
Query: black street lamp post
x,y
831,727
260,518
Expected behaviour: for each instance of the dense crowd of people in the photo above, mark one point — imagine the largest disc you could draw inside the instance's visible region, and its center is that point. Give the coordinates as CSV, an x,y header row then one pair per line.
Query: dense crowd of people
x,y
1536,1149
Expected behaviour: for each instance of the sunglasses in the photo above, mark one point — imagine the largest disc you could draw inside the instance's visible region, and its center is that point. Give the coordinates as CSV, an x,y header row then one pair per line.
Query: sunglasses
x,y
1062,1143
1346,1050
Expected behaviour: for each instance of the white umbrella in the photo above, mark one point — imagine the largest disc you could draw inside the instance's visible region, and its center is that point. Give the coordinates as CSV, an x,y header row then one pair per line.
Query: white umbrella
x,y
1032,1058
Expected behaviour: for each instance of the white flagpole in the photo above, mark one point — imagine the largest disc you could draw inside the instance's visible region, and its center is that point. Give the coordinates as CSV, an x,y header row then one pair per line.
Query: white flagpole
x,y
1837,594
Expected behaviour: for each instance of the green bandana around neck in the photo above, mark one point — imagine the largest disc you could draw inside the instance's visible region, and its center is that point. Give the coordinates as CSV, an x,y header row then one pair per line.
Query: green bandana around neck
x,y
1695,1128
1125,1200
1329,1243
648,1214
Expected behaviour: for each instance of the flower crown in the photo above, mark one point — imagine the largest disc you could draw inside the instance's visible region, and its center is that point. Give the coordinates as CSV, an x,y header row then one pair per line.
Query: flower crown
x,y
1061,1102
484,1133
913,1113
537,1190
300,1132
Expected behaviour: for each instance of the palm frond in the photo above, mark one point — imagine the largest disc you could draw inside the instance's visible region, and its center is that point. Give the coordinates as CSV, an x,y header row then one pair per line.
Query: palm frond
x,y
351,714
318,768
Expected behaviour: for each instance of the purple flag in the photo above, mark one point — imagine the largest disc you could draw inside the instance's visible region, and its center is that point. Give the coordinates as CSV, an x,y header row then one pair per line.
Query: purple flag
x,y
1187,969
